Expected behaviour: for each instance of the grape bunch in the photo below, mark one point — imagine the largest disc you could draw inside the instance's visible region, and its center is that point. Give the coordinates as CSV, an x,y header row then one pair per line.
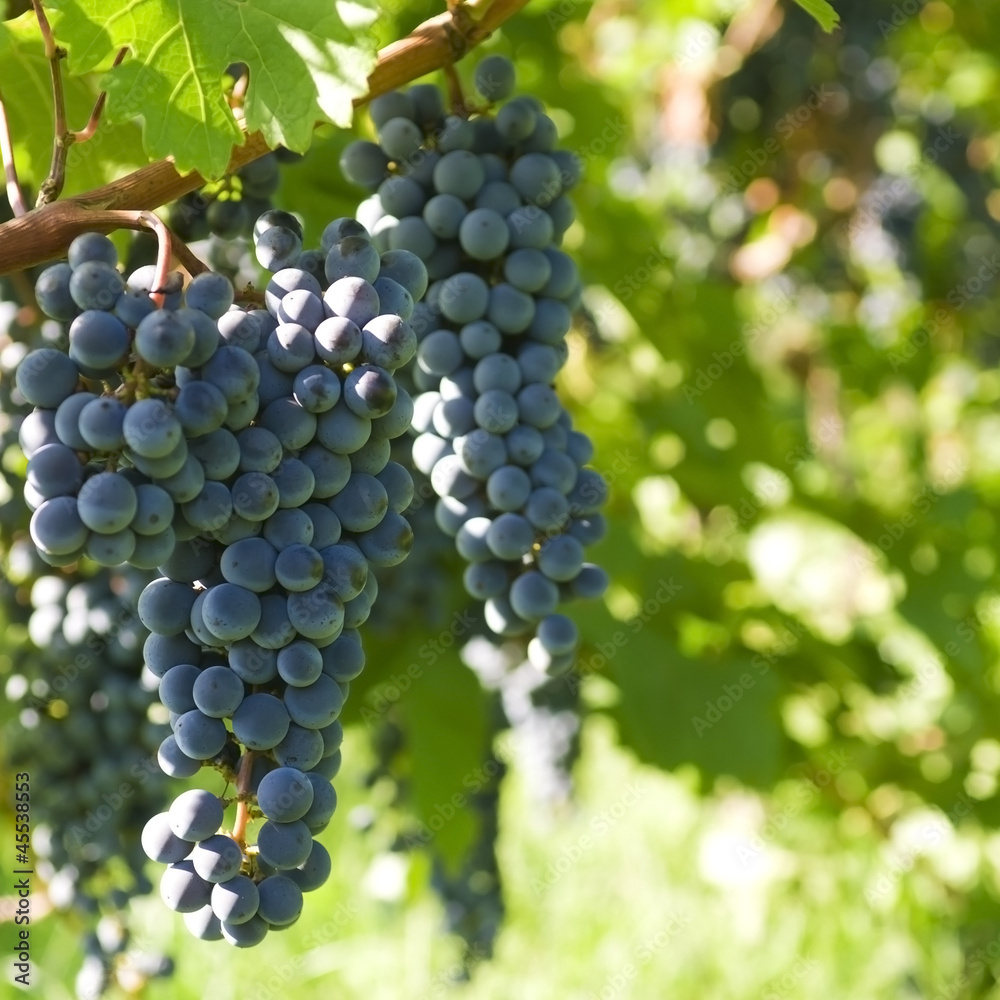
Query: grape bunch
x,y
482,201
254,620
85,735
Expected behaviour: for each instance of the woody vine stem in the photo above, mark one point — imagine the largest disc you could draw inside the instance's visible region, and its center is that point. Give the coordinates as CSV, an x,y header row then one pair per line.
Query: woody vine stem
x,y
43,234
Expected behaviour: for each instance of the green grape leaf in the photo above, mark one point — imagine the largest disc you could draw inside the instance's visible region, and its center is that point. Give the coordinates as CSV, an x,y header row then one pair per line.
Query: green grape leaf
x,y
675,710
27,89
306,62
822,11
445,714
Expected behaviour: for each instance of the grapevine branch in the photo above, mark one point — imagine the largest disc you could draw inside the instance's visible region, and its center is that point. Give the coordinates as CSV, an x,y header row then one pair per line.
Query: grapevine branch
x,y
44,233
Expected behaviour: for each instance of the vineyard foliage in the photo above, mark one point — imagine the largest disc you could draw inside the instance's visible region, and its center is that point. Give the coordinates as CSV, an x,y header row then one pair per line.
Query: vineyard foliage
x,y
786,357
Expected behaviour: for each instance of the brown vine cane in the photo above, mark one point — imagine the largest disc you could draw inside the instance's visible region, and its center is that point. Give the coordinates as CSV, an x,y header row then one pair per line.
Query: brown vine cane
x,y
44,233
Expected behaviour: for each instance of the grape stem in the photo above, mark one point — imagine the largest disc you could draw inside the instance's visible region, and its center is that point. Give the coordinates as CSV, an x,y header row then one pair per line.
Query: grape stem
x,y
250,295
15,196
62,139
244,795
458,105
63,136
95,116
44,233
163,256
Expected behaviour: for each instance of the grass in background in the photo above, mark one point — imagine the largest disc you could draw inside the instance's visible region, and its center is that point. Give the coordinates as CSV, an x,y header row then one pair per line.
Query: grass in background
x,y
646,890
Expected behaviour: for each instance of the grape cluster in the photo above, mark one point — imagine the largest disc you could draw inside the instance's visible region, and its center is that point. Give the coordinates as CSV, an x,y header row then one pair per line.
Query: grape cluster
x,y
254,621
85,735
482,201
542,712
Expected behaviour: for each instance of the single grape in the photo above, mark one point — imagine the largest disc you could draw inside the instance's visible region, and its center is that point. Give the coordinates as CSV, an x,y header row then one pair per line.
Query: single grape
x,y
277,247
177,686
97,341
53,295
204,924
244,935
211,293
252,663
284,795
231,612
235,901
494,77
198,736
182,889
174,762
363,163
160,842
218,692
260,722
284,846
280,900
46,377
217,858
314,870
195,814
54,470
95,285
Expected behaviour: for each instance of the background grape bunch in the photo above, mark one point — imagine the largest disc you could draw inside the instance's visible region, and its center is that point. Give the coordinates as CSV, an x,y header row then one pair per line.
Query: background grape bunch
x,y
481,199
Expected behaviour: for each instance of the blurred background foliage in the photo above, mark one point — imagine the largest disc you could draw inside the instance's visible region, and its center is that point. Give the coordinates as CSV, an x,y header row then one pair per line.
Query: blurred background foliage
x,y
791,692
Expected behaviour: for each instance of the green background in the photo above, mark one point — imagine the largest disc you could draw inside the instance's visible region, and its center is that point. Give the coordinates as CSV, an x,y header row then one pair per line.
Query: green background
x,y
787,362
